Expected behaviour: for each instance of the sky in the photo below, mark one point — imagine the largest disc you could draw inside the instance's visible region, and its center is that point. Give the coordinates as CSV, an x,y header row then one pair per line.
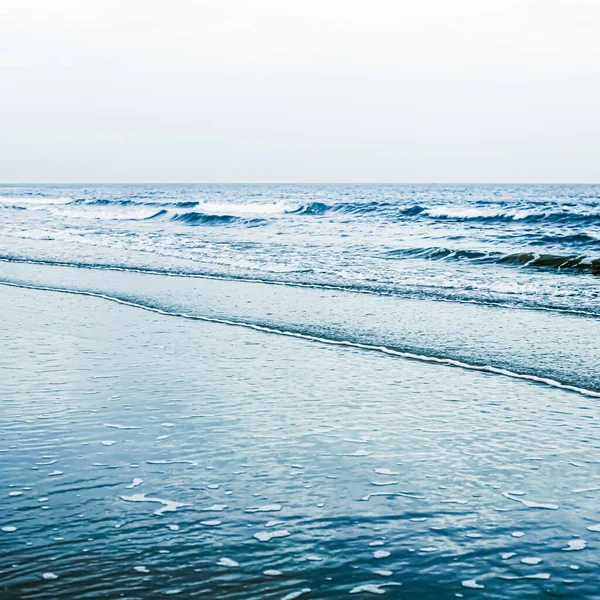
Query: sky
x,y
299,91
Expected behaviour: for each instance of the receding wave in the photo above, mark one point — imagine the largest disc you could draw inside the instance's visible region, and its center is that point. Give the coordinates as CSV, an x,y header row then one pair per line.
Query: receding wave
x,y
581,264
588,387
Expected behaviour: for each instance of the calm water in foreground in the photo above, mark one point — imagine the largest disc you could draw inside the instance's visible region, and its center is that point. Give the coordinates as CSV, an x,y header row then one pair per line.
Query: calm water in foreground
x,y
145,455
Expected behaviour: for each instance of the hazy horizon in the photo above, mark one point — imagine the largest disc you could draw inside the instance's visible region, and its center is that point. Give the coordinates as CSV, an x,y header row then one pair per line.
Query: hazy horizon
x,y
311,92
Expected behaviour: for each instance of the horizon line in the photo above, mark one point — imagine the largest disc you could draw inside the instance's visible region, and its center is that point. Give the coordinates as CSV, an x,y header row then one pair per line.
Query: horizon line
x,y
442,183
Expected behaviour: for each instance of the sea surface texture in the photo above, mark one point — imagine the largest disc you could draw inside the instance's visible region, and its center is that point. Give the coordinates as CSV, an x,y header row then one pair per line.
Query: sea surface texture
x,y
292,391
533,246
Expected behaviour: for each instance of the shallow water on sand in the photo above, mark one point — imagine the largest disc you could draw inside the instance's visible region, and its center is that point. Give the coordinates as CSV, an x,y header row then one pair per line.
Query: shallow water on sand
x,y
145,455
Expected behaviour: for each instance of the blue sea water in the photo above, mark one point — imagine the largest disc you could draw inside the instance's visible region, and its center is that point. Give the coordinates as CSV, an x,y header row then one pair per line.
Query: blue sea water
x,y
527,245
294,391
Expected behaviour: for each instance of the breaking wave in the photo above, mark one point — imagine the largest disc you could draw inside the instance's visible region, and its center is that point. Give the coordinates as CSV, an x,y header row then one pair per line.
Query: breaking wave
x,y
576,263
200,218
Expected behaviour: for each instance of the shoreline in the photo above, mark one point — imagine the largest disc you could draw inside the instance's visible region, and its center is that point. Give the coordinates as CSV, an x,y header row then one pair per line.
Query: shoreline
x,y
240,454
553,347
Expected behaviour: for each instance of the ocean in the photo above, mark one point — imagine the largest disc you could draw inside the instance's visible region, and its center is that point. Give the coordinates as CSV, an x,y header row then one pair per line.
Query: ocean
x,y
299,391
528,245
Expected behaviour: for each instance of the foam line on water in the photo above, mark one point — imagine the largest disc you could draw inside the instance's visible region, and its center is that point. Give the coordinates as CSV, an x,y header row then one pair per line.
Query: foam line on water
x,y
330,341
353,289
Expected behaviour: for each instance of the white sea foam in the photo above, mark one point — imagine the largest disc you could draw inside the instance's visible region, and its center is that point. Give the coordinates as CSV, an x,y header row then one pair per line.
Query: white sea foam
x,y
531,560
227,562
265,536
530,503
234,209
172,462
216,507
582,490
370,588
472,584
33,200
8,528
168,505
386,472
136,481
273,523
142,569
485,212
575,545
114,426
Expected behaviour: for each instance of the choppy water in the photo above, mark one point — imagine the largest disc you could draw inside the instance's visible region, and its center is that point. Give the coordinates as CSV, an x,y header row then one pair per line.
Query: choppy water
x,y
299,391
523,245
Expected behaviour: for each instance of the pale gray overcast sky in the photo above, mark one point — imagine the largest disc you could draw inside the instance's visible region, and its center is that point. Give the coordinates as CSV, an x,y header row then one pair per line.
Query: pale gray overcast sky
x,y
303,90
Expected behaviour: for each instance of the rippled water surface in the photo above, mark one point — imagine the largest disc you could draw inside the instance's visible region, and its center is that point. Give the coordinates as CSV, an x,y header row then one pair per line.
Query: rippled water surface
x,y
146,455
296,391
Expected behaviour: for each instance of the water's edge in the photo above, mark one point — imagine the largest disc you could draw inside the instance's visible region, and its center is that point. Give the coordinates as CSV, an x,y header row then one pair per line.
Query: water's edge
x,y
421,330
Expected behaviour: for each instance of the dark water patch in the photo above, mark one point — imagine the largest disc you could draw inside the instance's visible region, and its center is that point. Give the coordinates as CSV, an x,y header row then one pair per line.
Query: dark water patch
x,y
575,239
499,214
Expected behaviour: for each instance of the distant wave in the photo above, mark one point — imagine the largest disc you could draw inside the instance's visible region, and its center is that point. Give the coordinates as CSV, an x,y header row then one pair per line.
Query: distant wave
x,y
132,213
488,213
452,212
209,208
200,218
388,211
581,264
575,239
33,200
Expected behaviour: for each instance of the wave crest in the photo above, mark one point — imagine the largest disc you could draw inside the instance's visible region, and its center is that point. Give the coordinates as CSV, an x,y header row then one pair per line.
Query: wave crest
x,y
200,218
571,262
